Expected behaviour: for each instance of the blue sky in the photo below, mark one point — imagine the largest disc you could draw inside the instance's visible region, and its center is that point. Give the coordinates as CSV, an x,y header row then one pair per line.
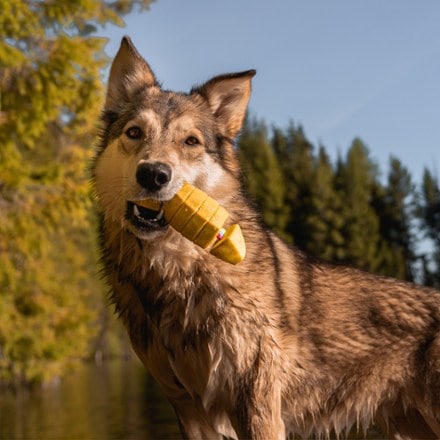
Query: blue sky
x,y
341,68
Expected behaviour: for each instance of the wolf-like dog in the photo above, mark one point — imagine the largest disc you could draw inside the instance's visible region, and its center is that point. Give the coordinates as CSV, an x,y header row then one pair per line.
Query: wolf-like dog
x,y
276,346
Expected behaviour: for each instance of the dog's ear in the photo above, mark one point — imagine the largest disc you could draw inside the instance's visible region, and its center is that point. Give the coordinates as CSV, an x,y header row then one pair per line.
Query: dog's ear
x,y
129,73
228,96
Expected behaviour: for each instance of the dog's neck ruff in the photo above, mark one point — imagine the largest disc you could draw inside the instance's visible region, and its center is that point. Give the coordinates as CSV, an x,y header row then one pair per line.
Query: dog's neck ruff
x,y
168,286
169,259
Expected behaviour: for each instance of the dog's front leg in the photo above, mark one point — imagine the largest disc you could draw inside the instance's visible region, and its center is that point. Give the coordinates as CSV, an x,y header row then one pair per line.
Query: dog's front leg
x,y
265,423
260,410
193,421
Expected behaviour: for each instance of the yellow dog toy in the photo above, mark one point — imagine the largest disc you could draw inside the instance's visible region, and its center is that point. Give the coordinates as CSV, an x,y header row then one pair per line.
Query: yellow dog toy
x,y
200,219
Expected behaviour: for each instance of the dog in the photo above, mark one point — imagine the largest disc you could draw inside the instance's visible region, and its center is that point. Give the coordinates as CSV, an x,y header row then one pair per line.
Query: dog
x,y
279,345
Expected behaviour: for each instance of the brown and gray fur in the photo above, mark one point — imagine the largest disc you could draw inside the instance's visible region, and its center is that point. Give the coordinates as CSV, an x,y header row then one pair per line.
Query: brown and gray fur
x,y
277,344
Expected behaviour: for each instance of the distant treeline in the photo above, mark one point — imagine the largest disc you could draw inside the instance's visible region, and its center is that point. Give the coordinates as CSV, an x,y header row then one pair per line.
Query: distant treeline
x,y
345,212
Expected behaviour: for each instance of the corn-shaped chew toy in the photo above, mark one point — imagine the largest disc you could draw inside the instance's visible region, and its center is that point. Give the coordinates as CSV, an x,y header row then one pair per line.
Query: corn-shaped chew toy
x,y
200,219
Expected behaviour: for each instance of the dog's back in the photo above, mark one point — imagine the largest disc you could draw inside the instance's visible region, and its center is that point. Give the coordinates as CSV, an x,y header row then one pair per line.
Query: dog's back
x,y
277,344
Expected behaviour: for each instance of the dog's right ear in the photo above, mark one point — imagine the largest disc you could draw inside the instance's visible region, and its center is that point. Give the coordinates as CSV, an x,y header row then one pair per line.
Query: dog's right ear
x,y
129,73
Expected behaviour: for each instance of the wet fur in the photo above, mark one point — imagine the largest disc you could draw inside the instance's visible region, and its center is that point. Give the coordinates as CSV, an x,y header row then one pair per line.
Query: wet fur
x,y
278,344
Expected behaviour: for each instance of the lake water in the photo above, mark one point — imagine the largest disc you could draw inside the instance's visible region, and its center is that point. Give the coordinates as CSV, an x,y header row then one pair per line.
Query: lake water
x,y
109,401
114,400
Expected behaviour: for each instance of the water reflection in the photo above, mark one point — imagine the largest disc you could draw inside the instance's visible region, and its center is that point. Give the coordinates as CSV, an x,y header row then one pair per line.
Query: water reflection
x,y
115,400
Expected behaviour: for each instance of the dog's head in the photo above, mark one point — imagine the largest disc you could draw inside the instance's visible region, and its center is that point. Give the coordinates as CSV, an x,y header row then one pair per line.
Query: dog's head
x,y
154,140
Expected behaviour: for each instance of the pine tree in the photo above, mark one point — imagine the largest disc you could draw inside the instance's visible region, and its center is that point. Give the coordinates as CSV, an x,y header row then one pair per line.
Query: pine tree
x,y
295,155
394,206
324,222
51,93
355,179
262,174
430,215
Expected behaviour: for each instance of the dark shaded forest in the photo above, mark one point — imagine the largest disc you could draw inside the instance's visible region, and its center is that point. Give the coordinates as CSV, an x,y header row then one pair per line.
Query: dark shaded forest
x,y
347,211
53,309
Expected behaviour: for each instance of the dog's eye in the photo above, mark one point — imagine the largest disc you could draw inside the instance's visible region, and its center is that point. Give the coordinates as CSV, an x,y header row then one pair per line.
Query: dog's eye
x,y
134,132
192,141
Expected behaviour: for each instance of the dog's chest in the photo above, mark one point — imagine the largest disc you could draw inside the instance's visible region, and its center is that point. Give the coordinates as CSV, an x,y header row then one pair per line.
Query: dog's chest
x,y
181,346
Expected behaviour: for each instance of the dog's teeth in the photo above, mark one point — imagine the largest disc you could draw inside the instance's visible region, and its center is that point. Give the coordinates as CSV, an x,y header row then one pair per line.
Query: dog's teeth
x,y
160,215
136,211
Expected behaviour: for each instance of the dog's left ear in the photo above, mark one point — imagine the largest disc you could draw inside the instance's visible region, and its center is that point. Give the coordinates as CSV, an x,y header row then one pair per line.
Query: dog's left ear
x,y
128,74
228,96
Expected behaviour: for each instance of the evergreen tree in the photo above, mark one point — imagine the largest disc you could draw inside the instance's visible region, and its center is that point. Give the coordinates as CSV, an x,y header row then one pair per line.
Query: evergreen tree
x,y
430,216
394,205
51,93
262,174
355,179
325,222
295,155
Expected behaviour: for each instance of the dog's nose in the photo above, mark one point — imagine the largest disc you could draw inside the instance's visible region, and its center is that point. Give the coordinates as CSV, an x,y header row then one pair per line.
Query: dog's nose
x,y
153,175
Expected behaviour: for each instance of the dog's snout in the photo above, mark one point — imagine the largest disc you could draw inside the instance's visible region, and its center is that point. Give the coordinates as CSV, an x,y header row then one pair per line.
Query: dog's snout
x,y
153,175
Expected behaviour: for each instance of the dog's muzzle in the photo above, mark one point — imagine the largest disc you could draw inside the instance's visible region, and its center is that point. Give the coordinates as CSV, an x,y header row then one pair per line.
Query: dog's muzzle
x,y
152,177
